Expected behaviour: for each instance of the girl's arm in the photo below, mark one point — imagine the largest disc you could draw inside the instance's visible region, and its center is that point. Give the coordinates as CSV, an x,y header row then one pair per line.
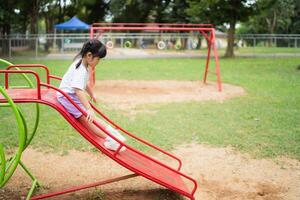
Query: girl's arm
x,y
89,90
85,102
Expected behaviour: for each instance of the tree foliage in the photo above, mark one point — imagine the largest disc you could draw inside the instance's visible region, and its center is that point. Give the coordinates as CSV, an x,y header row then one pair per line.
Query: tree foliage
x,y
295,23
273,16
266,16
171,11
221,12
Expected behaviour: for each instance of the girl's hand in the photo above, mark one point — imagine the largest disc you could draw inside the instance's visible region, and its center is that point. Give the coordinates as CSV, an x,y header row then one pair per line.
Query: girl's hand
x,y
90,115
94,98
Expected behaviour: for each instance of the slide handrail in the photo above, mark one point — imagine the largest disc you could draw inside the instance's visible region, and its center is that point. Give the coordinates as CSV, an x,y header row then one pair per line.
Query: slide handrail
x,y
38,81
119,141
137,138
32,66
128,133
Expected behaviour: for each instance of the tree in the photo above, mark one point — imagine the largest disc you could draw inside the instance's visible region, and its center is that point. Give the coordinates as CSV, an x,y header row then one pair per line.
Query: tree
x,y
130,10
158,11
7,19
90,11
171,11
220,12
96,10
274,16
295,20
6,16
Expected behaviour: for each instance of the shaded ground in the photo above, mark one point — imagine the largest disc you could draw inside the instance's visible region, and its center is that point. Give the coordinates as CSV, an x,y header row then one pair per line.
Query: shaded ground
x,y
221,173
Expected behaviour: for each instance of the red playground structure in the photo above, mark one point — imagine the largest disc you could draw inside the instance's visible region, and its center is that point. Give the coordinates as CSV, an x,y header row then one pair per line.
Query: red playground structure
x,y
134,160
207,30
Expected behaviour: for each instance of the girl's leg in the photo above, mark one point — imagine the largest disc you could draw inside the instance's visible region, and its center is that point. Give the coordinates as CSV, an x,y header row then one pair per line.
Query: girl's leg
x,y
92,127
110,143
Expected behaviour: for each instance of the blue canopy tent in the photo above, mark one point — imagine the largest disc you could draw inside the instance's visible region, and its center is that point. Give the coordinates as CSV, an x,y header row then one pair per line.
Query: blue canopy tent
x,y
73,24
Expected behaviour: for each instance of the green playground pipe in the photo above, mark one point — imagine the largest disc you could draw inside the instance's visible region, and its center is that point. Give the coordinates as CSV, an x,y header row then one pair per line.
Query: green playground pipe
x,y
5,62
3,163
25,125
9,166
37,106
21,129
36,124
29,173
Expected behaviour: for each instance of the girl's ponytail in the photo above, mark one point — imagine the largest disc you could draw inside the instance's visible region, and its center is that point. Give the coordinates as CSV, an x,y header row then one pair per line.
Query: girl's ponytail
x,y
79,63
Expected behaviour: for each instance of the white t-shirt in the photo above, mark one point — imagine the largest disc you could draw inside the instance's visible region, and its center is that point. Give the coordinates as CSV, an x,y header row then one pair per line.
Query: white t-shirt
x,y
74,78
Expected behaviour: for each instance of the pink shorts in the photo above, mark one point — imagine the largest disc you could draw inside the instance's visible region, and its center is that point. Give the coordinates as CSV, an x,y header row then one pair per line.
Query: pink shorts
x,y
70,107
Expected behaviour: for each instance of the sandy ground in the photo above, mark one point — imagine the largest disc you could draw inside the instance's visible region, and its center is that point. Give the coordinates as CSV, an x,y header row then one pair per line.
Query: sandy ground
x,y
221,173
129,94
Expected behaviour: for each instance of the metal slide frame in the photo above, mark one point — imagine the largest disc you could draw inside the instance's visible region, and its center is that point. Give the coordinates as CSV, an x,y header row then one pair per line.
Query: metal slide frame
x,y
40,95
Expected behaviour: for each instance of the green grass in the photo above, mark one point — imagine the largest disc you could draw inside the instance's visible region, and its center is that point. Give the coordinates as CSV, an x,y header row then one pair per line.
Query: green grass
x,y
262,50
264,122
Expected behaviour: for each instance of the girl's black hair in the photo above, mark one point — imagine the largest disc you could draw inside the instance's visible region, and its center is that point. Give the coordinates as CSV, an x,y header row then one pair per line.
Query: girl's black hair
x,y
95,47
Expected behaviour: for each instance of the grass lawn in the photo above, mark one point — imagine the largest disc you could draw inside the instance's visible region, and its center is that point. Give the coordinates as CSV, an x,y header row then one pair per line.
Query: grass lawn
x,y
265,122
262,50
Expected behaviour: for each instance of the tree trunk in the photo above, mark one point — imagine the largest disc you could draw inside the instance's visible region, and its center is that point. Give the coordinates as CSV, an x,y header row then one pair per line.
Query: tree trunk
x,y
230,41
34,22
6,27
5,41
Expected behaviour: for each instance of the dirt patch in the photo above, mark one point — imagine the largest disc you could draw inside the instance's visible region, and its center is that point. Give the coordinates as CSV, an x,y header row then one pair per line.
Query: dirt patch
x,y
129,94
221,173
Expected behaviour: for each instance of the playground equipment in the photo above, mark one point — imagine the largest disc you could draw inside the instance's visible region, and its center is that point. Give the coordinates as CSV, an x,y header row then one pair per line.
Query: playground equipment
x,y
109,44
8,166
178,44
207,30
45,93
127,44
161,45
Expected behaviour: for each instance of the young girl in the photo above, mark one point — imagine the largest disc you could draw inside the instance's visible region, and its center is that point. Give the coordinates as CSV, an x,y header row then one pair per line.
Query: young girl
x,y
75,84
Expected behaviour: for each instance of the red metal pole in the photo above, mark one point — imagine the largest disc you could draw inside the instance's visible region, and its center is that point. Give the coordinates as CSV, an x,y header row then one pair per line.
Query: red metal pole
x,y
207,58
92,72
113,28
44,196
91,32
205,35
151,24
6,80
217,64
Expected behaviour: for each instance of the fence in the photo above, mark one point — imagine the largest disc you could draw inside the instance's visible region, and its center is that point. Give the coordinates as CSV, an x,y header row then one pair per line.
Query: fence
x,y
247,44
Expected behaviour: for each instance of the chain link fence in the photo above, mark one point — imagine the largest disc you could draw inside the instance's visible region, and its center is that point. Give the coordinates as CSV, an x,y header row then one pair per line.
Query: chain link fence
x,y
52,45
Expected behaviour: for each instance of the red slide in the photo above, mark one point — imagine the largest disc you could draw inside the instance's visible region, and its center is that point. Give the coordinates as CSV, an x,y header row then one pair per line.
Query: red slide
x,y
132,159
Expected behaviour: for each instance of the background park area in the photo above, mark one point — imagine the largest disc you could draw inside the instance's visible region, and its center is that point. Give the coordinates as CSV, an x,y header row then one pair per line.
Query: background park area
x,y
246,136
241,143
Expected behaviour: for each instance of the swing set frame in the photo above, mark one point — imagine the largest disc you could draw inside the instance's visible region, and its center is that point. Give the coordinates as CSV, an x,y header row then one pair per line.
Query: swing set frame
x,y
206,30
